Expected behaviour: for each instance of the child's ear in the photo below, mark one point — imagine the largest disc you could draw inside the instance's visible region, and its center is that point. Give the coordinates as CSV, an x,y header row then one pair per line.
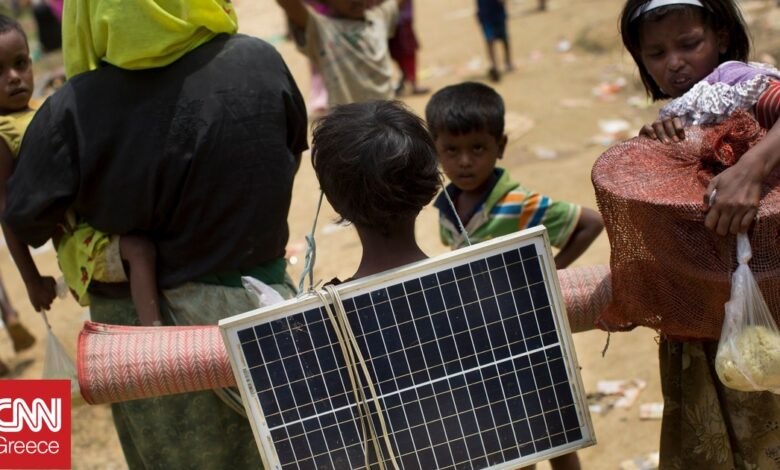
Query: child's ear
x,y
502,146
723,40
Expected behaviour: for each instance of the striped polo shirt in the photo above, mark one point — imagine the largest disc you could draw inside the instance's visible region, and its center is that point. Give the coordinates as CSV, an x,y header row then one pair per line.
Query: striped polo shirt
x,y
506,208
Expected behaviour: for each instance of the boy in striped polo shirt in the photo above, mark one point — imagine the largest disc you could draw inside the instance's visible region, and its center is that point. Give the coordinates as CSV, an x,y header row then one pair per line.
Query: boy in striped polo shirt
x,y
467,124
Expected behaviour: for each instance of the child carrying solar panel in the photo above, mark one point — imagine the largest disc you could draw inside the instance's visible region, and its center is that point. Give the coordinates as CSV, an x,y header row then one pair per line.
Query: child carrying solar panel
x,y
376,164
467,124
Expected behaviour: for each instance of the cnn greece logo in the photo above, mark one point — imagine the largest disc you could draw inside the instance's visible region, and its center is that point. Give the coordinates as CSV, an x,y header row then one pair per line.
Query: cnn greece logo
x,y
34,424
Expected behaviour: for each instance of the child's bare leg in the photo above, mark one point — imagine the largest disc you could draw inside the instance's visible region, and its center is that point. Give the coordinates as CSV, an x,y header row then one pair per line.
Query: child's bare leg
x,y
491,50
141,257
566,462
563,462
507,54
410,74
10,315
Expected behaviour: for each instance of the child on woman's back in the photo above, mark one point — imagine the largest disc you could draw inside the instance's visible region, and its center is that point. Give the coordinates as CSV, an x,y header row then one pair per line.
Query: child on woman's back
x,y
695,51
84,254
16,87
377,167
349,48
467,123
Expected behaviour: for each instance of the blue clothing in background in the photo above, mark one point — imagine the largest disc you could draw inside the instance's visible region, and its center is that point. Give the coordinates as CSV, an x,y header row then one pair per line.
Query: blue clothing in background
x,y
491,11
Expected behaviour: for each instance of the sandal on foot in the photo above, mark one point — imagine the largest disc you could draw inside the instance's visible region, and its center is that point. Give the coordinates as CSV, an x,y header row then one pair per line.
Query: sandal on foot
x,y
21,338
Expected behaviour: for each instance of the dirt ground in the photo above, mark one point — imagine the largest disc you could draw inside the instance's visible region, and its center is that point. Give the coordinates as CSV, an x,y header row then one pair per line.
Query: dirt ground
x,y
574,92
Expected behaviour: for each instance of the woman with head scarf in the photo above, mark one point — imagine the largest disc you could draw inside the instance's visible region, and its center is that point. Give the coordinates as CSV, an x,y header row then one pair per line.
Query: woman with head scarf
x,y
173,127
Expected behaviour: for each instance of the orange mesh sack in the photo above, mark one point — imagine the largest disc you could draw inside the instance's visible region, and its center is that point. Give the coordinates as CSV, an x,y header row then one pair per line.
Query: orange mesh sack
x,y
669,272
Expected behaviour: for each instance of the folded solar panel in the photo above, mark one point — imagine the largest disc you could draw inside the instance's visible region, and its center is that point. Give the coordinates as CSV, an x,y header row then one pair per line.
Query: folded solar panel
x,y
469,353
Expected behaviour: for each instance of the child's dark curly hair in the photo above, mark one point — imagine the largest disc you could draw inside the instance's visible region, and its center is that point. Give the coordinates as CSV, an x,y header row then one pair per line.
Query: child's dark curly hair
x,y
9,24
716,14
376,163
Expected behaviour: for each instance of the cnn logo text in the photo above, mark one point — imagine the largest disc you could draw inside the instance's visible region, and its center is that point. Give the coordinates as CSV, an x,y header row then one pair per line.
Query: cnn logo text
x,y
34,424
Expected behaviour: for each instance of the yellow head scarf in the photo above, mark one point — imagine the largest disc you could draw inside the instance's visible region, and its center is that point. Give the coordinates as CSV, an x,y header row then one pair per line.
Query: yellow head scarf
x,y
139,34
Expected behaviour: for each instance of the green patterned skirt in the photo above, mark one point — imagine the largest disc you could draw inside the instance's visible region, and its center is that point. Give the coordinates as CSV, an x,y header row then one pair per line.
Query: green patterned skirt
x,y
203,430
707,425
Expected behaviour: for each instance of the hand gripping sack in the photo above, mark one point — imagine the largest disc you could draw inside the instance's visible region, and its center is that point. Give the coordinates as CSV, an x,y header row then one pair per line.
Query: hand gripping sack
x,y
748,357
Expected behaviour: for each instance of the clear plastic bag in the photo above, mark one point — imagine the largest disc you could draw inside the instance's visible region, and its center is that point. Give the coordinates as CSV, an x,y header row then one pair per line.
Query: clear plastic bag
x,y
748,357
57,364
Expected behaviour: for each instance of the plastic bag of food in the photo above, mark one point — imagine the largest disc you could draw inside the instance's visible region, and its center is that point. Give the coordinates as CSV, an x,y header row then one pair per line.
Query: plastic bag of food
x,y
748,357
57,364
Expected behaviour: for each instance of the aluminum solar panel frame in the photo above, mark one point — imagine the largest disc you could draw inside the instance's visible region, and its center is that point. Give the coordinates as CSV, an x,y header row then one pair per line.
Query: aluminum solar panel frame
x,y
470,355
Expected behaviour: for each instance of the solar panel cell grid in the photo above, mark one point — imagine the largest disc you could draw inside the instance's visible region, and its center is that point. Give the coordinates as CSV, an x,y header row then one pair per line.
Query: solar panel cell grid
x,y
467,363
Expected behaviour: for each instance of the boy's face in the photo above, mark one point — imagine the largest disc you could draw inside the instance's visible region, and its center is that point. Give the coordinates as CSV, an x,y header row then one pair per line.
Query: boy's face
x,y
352,9
468,159
16,76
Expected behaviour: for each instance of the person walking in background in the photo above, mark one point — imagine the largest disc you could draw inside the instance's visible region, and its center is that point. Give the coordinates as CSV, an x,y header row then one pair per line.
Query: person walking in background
x,y
318,95
492,17
48,14
349,48
403,50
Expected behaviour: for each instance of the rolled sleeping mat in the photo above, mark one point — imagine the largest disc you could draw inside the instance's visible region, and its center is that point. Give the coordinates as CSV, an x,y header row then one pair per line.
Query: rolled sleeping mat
x,y
117,363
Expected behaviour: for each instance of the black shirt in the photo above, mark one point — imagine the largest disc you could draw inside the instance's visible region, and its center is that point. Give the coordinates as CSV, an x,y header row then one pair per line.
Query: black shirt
x,y
199,156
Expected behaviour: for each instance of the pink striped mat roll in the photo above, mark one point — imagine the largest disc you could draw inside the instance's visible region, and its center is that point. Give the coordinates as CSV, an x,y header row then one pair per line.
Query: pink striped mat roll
x,y
586,291
121,363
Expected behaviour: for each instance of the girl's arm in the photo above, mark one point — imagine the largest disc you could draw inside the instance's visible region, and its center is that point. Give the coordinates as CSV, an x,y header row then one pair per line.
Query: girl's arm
x,y
738,189
296,11
41,290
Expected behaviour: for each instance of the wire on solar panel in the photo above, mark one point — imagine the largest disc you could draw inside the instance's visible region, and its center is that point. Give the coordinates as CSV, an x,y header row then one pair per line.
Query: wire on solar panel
x,y
354,358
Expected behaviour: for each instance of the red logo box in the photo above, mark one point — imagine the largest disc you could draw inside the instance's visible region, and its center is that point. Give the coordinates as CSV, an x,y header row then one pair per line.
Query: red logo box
x,y
34,424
